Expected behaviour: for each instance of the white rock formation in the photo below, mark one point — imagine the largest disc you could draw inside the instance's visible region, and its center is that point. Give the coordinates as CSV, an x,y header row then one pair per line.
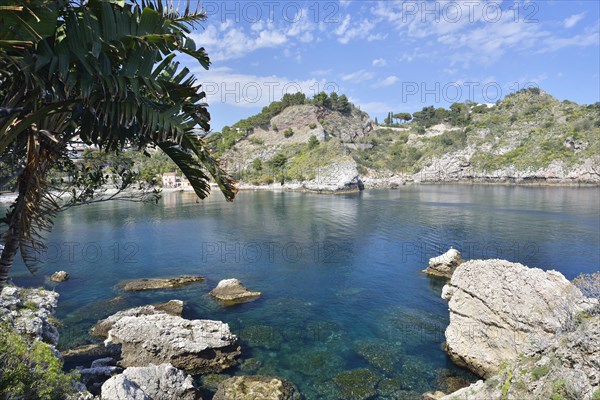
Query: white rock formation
x,y
29,310
172,307
192,345
232,291
154,382
500,309
445,264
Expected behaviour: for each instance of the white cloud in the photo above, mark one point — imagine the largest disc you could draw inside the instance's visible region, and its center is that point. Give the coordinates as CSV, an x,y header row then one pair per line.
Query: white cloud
x,y
573,20
361,75
321,72
227,41
226,86
377,36
474,36
591,38
236,43
379,62
389,81
359,30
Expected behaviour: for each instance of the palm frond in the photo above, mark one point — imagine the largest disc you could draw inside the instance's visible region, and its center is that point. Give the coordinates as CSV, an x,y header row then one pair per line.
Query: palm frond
x,y
189,166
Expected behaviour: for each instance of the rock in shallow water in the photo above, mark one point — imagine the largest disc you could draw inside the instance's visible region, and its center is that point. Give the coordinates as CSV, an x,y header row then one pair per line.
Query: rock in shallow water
x,y
155,382
160,283
256,387
358,384
59,276
500,309
445,264
172,307
192,345
231,291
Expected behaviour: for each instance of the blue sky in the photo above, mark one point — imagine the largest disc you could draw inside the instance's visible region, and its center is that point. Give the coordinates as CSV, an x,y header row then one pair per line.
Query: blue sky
x,y
396,55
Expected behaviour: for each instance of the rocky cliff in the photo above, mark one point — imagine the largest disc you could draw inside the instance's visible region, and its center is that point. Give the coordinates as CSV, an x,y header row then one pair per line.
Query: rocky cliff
x,y
527,138
531,333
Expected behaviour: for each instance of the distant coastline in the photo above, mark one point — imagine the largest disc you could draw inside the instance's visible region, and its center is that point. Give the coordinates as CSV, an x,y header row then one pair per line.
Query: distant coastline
x,y
7,198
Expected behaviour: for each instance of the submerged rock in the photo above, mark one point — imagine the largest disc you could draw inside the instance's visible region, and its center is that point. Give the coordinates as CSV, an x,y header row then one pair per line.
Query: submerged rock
x,y
358,384
154,382
256,387
160,283
500,309
59,276
379,354
262,335
192,345
231,291
211,382
445,264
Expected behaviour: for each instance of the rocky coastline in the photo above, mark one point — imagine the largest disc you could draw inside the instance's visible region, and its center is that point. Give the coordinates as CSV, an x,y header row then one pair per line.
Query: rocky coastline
x,y
526,332
529,333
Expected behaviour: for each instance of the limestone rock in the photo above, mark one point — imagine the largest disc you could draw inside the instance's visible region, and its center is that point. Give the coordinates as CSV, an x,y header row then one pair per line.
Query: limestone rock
x,y
342,176
500,309
94,377
160,283
445,264
256,387
568,368
232,291
154,382
30,310
90,350
172,307
192,345
59,276
437,395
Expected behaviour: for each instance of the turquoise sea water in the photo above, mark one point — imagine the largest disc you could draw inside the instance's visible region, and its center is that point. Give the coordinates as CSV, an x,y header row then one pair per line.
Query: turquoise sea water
x,y
340,274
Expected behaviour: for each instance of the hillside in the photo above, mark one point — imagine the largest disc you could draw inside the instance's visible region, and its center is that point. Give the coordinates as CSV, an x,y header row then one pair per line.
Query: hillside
x,y
528,137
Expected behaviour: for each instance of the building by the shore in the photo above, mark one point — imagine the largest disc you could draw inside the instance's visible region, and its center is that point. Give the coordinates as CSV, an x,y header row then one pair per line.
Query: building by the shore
x,y
170,180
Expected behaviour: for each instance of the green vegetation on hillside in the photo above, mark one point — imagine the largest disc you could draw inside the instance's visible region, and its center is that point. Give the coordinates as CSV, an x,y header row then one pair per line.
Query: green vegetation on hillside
x,y
229,136
527,130
536,129
296,162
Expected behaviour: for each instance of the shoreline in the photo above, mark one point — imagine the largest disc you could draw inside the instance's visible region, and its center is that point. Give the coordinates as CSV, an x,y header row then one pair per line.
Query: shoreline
x,y
8,198
397,185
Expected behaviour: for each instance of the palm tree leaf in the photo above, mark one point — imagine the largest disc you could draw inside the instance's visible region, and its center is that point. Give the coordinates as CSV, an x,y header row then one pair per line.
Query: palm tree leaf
x,y
189,166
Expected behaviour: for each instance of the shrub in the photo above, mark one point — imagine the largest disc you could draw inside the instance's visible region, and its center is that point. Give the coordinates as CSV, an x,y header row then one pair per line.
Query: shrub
x,y
31,371
288,133
257,164
274,127
312,125
539,372
257,141
596,395
265,180
562,391
313,142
